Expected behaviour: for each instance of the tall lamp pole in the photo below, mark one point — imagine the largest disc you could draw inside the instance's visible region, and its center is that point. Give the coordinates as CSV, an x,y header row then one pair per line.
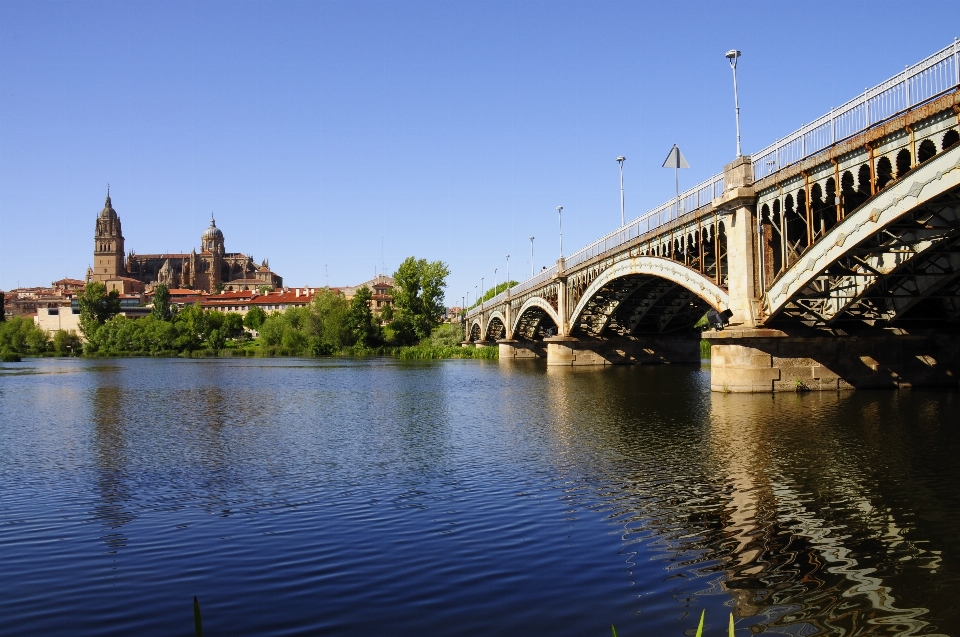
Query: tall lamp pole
x,y
531,257
494,281
732,55
560,216
620,161
483,294
508,271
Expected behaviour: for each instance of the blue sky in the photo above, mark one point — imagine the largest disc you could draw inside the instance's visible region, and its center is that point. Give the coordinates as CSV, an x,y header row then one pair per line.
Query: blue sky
x,y
318,131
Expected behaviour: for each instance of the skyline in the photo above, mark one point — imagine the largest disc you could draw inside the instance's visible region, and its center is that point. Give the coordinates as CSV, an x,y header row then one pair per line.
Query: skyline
x,y
452,132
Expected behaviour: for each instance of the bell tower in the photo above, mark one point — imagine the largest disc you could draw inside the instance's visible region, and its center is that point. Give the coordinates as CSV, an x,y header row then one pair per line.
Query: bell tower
x,y
108,262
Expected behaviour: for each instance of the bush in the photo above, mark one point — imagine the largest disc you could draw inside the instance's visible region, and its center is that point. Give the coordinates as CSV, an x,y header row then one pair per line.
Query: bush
x,y
23,337
66,343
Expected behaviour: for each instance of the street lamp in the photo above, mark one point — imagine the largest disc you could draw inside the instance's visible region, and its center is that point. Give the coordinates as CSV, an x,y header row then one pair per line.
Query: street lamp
x,y
508,271
732,55
620,161
483,294
560,216
531,257
494,281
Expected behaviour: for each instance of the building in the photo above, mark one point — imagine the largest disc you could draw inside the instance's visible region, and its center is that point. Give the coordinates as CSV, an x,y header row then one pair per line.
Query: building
x,y
243,301
26,301
382,288
210,270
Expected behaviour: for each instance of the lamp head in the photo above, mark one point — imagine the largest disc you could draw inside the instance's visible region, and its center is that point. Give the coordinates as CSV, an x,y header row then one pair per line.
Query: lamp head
x,y
621,158
732,55
559,208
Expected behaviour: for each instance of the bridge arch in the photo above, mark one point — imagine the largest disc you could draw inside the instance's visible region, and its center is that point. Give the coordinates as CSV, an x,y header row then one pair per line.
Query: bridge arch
x,y
496,327
534,318
646,294
476,330
896,251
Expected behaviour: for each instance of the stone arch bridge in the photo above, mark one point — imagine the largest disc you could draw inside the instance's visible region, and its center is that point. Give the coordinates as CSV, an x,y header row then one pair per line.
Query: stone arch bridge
x,y
835,250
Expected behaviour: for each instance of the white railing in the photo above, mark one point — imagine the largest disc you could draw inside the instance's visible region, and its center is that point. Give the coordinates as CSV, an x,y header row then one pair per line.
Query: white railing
x,y
923,81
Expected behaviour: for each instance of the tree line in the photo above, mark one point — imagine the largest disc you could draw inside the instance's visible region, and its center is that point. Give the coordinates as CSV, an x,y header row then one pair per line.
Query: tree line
x,y
330,324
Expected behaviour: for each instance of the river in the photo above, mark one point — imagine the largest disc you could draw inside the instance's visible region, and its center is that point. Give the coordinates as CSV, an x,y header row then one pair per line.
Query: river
x,y
384,497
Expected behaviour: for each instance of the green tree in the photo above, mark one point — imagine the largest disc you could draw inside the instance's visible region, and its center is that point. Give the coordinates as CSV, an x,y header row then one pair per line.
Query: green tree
x,y
193,327
418,297
216,340
21,336
232,326
66,343
328,323
254,318
161,303
366,330
96,306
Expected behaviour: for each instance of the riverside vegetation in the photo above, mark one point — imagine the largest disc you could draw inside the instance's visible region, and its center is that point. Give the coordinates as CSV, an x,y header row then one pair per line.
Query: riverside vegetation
x,y
330,325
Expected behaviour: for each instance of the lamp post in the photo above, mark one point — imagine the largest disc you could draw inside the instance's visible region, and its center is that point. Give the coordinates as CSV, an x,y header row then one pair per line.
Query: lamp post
x,y
560,216
508,272
531,257
732,55
483,294
620,161
494,282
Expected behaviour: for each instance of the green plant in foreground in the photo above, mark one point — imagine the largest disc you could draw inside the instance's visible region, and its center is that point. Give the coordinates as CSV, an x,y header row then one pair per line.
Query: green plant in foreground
x,y
197,623
699,628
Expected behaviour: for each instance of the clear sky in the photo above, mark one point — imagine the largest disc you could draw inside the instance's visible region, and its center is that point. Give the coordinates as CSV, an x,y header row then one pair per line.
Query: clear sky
x,y
318,132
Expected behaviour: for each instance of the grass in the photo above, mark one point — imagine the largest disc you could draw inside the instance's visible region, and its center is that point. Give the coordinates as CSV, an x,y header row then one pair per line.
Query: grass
x,y
704,349
699,628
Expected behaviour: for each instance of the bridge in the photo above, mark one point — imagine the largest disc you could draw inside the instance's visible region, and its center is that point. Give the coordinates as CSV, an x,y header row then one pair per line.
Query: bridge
x,y
830,260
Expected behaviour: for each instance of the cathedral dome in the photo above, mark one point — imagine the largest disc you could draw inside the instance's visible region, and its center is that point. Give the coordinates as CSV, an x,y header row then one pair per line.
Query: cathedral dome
x,y
212,233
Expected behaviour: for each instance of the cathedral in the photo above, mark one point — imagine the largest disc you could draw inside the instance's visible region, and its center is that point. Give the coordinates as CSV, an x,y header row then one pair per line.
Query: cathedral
x,y
210,270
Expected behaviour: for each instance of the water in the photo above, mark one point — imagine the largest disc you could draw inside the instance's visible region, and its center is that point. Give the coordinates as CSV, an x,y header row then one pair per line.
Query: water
x,y
355,497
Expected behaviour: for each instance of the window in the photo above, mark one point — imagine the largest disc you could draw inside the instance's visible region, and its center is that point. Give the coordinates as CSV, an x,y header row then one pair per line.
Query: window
x,y
53,311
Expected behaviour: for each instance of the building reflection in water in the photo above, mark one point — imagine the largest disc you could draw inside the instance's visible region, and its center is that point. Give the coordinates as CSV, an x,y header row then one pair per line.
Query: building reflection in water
x,y
113,508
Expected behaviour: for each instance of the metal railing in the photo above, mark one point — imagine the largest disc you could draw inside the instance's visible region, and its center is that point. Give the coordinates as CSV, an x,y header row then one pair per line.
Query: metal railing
x,y
923,81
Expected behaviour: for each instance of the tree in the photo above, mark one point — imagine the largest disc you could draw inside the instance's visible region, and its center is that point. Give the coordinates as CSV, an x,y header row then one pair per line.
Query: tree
x,y
254,318
193,327
161,303
232,325
328,324
66,343
365,329
216,340
96,306
418,296
21,336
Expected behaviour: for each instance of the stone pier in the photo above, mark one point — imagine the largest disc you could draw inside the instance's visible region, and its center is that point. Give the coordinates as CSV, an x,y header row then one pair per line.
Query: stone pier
x,y
566,350
511,349
771,360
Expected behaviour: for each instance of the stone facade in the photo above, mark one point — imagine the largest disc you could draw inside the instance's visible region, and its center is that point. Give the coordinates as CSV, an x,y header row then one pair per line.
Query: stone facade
x,y
208,270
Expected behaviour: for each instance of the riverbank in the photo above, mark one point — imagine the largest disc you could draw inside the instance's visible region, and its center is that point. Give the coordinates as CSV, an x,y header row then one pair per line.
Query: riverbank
x,y
412,352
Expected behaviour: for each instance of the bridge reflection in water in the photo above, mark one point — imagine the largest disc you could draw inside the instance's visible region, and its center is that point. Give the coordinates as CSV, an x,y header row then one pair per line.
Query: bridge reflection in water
x,y
820,514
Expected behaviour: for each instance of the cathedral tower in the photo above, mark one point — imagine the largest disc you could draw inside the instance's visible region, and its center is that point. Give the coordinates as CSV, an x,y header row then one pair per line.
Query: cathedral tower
x,y
108,245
